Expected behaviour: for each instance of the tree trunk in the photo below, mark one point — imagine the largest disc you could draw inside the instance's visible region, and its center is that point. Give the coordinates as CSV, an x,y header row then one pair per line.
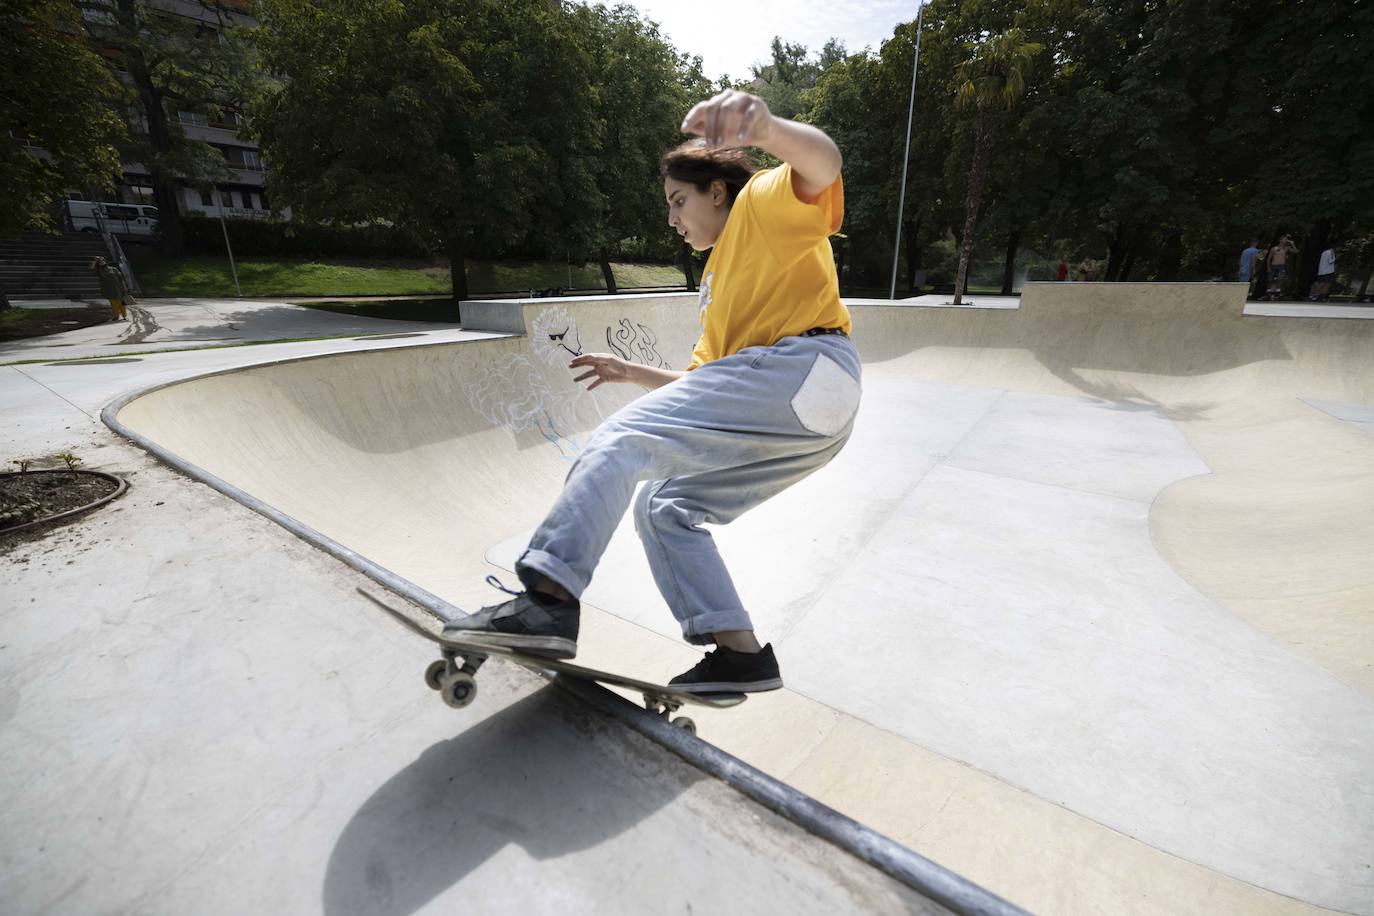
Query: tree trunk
x,y
1172,256
686,255
1127,265
1310,257
457,267
1009,264
170,237
977,176
606,272
1116,253
915,273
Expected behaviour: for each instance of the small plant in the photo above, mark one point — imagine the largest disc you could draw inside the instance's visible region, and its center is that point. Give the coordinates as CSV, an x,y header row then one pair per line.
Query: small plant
x,y
23,464
71,460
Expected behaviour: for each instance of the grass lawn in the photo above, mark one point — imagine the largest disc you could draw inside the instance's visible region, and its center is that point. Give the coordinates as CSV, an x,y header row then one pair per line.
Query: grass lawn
x,y
210,277
434,311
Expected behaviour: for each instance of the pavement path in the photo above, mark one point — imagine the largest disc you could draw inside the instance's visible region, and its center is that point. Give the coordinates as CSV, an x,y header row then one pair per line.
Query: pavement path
x,y
157,325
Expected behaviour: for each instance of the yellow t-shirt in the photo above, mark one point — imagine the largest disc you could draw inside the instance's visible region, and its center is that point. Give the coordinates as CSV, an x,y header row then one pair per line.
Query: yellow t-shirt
x,y
771,273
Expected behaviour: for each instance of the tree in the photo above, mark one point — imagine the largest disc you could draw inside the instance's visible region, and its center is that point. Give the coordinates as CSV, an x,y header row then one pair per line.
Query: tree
x,y
992,78
472,123
641,100
174,63
56,95
784,81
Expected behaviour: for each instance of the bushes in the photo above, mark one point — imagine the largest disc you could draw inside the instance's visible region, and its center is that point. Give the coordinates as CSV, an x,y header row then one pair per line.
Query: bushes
x,y
273,238
280,239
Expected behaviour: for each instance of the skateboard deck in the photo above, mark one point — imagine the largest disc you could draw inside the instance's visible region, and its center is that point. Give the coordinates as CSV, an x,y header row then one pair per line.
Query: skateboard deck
x,y
454,675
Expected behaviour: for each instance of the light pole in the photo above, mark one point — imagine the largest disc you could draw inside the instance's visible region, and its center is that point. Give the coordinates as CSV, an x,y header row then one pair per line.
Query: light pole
x,y
227,247
906,156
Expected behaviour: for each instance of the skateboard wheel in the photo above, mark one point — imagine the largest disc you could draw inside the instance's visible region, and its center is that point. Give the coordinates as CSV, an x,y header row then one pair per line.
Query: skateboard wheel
x,y
434,674
459,690
685,724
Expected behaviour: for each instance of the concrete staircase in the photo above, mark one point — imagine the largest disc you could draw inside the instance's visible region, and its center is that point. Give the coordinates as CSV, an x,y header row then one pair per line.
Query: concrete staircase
x,y
41,266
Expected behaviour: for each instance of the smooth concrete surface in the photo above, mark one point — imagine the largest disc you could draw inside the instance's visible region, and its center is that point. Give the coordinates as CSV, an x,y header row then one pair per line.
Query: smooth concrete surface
x,y
1083,612
200,714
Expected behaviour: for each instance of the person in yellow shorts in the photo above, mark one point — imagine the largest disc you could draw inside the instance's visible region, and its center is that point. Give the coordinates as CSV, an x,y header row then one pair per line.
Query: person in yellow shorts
x,y
768,397
112,288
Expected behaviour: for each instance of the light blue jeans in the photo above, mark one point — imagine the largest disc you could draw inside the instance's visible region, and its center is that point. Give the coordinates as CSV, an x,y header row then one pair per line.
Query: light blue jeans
x,y
713,445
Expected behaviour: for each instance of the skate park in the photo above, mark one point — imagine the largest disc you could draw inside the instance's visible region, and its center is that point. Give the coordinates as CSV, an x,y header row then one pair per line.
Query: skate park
x,y
1080,614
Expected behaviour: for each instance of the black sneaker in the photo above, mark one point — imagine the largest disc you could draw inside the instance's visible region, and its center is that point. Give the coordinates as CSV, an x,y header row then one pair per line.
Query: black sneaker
x,y
727,671
530,622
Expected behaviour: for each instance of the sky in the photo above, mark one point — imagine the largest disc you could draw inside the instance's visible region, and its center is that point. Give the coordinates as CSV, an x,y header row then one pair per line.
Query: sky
x,y
730,35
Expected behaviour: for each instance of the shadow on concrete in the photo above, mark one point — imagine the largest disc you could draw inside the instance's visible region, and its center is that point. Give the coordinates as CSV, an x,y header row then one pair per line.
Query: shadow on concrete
x,y
540,774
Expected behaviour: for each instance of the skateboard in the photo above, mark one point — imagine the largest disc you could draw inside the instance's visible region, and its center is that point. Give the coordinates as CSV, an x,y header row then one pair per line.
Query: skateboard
x,y
454,675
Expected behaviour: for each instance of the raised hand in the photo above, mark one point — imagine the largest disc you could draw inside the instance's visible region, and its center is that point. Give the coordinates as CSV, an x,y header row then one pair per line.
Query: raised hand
x,y
730,119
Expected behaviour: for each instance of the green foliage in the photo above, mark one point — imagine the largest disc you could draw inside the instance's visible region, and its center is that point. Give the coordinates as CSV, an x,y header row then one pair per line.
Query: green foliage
x,y
472,123
995,74
1158,137
641,99
69,459
299,239
56,93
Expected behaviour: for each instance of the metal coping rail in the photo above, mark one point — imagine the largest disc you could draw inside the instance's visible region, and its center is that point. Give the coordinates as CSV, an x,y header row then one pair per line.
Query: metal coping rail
x,y
881,852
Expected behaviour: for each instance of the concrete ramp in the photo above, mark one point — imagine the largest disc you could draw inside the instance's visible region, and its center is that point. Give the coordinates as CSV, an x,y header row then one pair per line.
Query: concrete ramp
x,y
1088,596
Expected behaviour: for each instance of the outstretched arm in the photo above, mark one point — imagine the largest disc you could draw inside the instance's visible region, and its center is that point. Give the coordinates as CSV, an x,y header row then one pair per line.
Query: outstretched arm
x,y
603,368
740,119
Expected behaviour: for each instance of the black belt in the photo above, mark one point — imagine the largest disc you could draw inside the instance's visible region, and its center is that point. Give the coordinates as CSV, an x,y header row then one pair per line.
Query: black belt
x,y
817,332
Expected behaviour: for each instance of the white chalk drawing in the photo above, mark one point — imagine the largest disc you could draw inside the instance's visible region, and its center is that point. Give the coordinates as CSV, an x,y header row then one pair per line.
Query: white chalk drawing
x,y
521,395
555,335
515,394
636,343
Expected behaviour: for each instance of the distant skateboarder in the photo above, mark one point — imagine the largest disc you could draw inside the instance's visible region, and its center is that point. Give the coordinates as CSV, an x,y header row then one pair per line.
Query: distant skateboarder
x,y
768,398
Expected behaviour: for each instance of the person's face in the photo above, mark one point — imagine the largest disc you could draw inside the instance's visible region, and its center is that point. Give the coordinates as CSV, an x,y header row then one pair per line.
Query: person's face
x,y
697,216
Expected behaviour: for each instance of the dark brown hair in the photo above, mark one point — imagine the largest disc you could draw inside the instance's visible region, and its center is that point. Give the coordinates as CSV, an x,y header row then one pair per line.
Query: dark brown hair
x,y
698,164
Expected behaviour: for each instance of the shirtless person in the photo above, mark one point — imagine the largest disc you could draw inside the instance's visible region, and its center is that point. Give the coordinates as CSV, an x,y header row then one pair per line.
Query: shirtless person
x,y
1278,264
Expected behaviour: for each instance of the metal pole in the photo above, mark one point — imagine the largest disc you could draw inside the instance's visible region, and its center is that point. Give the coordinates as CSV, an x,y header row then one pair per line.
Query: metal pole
x,y
906,156
229,248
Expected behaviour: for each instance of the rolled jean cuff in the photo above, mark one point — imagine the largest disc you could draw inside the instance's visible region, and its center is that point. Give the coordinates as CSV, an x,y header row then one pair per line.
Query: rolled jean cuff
x,y
697,629
536,562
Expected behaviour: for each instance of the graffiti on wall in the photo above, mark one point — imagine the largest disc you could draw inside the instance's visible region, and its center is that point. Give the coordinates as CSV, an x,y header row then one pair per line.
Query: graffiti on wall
x,y
636,343
534,392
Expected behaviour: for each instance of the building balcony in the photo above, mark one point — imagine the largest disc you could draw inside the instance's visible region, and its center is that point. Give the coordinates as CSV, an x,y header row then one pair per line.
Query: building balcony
x,y
227,136
254,178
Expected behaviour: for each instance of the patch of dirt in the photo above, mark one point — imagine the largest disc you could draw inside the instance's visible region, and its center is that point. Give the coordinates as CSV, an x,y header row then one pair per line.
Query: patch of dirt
x,y
38,495
20,323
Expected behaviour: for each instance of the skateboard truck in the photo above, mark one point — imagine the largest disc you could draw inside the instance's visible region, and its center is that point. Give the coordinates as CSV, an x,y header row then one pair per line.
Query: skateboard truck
x,y
665,707
455,676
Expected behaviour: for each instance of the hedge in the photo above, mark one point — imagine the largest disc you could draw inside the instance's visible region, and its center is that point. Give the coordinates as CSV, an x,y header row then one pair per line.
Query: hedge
x,y
275,238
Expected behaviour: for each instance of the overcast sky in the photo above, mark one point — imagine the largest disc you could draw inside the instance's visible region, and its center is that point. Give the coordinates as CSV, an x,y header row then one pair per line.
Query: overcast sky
x,y
730,35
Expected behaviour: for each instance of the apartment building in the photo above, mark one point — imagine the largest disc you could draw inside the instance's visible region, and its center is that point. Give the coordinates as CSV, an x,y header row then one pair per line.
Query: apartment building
x,y
244,193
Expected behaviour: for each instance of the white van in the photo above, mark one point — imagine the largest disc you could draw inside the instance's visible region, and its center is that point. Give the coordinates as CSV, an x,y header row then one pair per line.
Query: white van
x,y
121,219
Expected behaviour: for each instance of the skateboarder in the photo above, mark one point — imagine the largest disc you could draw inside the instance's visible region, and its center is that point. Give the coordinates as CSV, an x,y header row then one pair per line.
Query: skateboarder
x,y
768,398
